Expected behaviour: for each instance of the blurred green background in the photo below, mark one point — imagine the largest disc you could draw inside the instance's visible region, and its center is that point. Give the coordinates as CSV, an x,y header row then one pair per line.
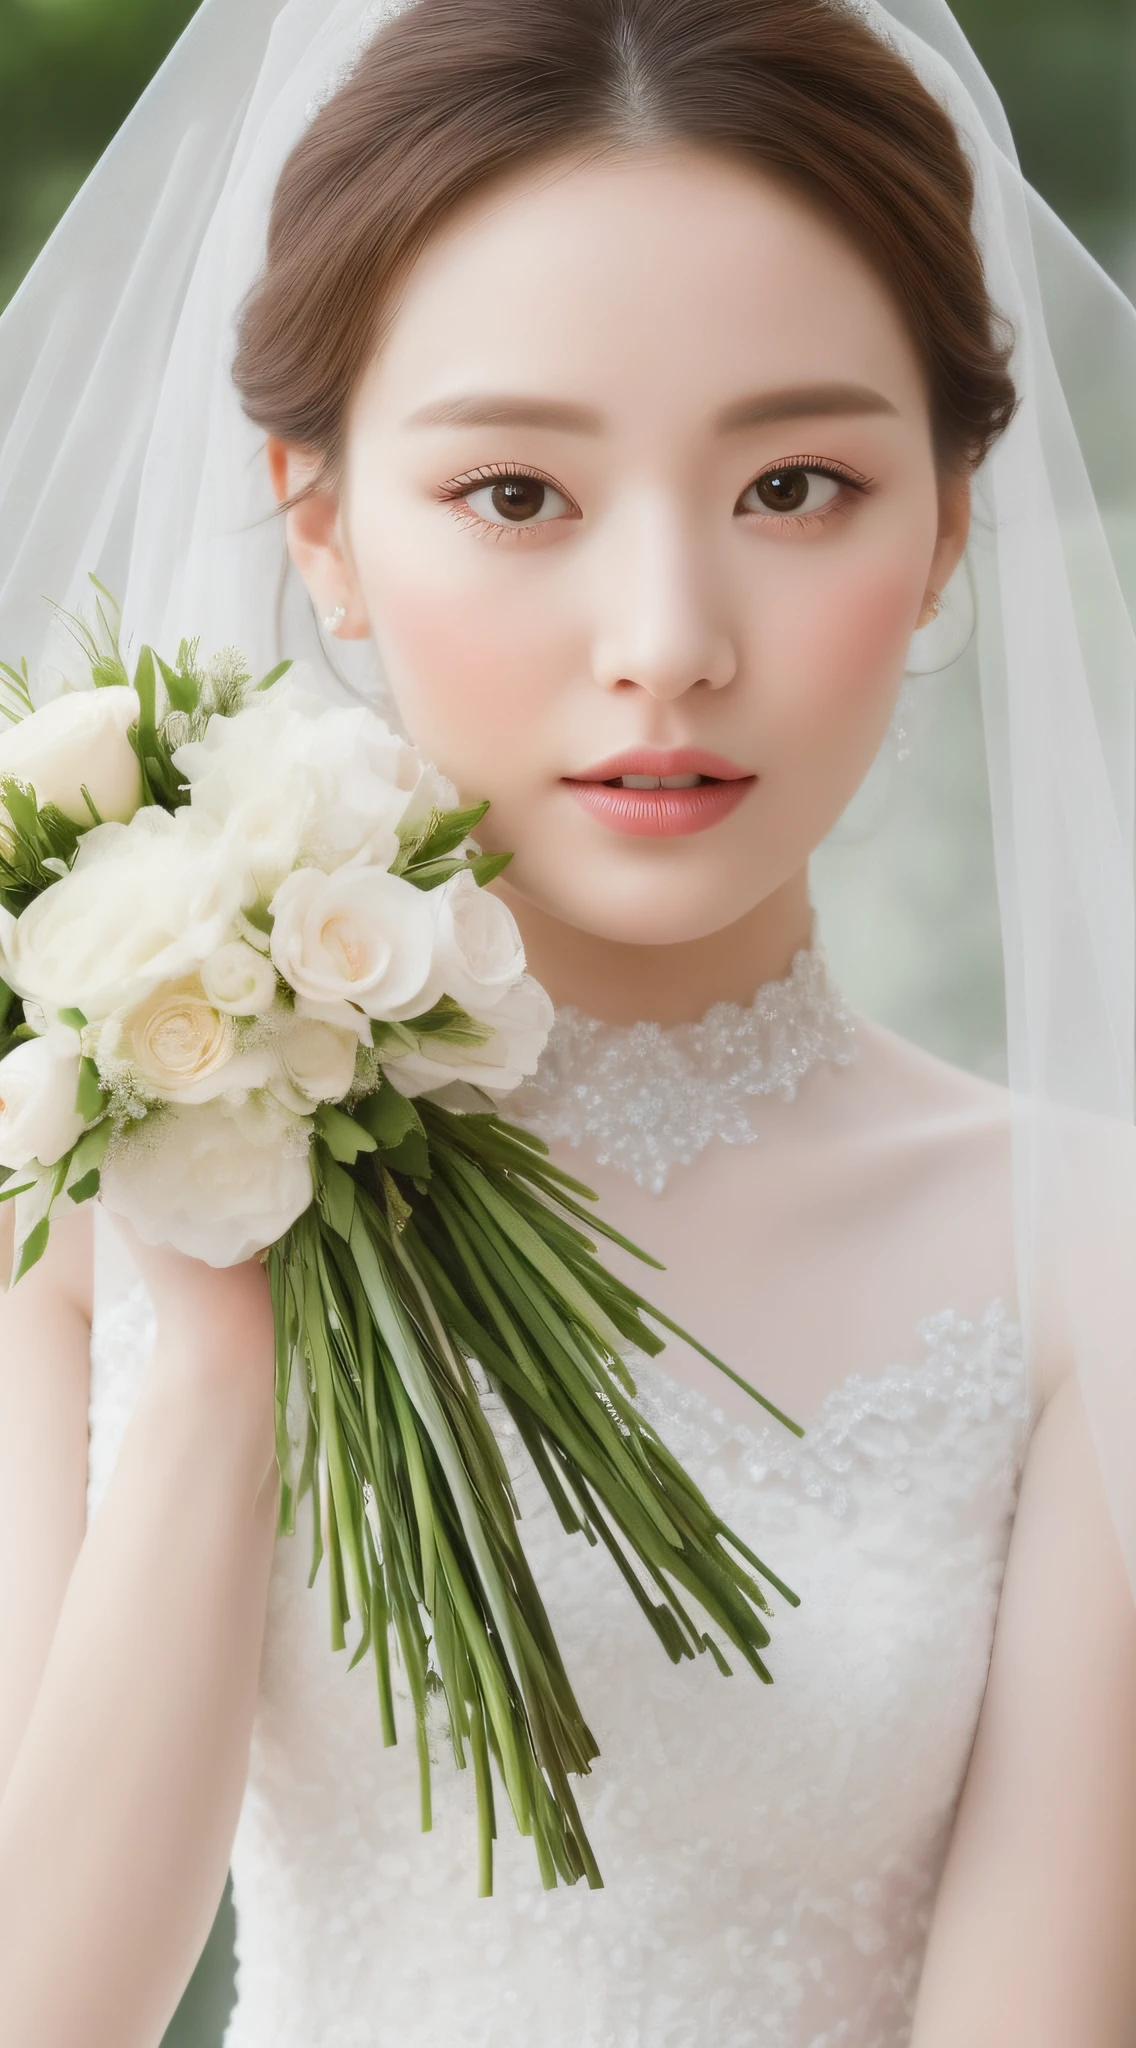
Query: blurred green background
x,y
1066,70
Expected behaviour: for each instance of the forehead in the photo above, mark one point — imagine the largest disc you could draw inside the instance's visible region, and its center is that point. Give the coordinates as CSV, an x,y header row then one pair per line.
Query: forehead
x,y
652,274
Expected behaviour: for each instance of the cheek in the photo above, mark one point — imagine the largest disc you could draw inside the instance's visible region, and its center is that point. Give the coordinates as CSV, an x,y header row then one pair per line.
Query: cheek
x,y
840,654
468,673
860,637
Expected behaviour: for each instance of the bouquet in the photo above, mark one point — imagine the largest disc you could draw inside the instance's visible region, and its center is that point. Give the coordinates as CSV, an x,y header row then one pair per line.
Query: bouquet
x,y
255,995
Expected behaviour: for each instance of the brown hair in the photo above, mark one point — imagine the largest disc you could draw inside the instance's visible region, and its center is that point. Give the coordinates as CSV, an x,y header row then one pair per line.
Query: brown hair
x,y
453,94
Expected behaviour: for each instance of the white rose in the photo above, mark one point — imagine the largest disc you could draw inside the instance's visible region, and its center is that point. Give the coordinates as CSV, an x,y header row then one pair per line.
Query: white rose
x,y
360,936
520,1023
38,1118
299,781
215,1182
479,952
317,1064
75,740
144,903
175,1044
239,980
344,1016
265,835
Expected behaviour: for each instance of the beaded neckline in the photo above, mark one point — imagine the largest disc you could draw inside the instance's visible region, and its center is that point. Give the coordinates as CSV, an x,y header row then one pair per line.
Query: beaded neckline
x,y
648,1097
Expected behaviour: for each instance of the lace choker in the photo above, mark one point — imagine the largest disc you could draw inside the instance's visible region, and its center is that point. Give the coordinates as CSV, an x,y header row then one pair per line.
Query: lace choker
x,y
648,1097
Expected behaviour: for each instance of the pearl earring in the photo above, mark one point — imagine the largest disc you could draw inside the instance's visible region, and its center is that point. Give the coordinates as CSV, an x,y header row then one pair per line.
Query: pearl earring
x,y
940,642
334,618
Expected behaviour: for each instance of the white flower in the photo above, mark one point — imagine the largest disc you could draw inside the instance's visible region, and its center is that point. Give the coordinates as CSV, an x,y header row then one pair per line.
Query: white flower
x,y
239,980
75,740
175,1038
216,1182
360,936
344,1016
520,1023
144,903
299,782
174,1044
38,1118
479,952
317,1064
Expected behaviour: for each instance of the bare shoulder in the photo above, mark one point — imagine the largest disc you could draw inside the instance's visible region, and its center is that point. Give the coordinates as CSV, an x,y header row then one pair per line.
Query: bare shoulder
x,y
961,1129
940,1137
918,1088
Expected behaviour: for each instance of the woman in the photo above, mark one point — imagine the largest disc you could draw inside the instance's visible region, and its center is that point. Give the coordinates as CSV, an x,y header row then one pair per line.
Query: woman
x,y
626,373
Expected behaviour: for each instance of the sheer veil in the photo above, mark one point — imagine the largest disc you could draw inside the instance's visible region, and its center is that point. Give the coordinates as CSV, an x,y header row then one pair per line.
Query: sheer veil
x,y
125,452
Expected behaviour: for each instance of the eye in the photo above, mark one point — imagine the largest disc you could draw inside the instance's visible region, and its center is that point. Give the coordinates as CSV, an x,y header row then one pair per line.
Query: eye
x,y
801,489
506,498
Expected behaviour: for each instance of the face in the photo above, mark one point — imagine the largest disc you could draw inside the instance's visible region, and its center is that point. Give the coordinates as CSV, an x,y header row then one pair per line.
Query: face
x,y
640,488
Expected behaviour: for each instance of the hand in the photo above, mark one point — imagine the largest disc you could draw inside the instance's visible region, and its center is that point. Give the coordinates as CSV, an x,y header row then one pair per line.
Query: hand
x,y
215,1323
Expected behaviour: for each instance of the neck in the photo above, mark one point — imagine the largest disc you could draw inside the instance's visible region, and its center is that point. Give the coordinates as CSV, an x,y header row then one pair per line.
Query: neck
x,y
620,983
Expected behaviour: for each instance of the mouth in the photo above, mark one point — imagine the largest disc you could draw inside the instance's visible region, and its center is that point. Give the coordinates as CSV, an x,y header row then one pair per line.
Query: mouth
x,y
654,793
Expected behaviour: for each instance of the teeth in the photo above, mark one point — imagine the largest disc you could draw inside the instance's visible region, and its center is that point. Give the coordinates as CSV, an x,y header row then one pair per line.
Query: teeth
x,y
660,781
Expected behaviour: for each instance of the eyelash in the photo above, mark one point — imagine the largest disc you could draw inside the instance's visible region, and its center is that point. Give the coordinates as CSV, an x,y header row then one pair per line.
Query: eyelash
x,y
453,494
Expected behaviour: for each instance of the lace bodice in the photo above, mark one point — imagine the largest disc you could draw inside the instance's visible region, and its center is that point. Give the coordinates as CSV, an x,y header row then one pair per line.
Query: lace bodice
x,y
770,1853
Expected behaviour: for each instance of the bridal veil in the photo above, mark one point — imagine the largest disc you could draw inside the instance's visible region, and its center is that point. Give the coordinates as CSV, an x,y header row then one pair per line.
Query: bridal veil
x,y
125,452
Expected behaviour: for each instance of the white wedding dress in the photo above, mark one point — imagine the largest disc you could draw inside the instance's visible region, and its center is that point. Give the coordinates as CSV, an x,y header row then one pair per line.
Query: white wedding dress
x,y
770,1854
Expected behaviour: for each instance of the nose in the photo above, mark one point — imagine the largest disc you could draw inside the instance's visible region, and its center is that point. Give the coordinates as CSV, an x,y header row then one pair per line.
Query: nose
x,y
660,628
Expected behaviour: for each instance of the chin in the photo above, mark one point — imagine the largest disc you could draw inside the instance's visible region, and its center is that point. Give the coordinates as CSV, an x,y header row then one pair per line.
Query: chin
x,y
666,908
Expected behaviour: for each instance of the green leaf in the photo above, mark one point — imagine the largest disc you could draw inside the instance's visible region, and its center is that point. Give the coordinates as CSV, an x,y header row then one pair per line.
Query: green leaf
x,y
344,1138
399,1211
450,1023
183,691
485,867
34,1247
390,1033
109,674
431,874
145,735
336,1197
21,806
388,1116
89,1153
88,799
447,830
8,1194
74,1019
90,1097
15,694
85,1189
274,675
259,916
411,1156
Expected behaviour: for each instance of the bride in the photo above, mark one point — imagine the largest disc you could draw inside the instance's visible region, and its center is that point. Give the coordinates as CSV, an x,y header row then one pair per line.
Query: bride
x,y
645,384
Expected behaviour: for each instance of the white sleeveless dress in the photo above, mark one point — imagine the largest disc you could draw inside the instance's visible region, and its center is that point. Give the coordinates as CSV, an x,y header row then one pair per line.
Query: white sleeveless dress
x,y
770,1853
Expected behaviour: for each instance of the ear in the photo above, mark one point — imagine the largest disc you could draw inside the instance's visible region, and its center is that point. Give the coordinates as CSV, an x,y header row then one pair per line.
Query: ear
x,y
954,528
315,538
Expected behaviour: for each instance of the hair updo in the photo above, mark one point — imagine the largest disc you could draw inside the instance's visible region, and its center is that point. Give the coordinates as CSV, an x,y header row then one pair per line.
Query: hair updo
x,y
453,94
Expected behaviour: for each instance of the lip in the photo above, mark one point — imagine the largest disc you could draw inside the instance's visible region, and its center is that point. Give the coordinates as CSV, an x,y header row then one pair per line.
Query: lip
x,y
663,761
661,813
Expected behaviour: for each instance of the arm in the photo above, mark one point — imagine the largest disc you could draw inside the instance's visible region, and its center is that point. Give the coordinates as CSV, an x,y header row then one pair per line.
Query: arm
x,y
1033,1942
119,1813
44,1390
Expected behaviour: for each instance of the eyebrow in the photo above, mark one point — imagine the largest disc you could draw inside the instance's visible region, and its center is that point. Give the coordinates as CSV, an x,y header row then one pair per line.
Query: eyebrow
x,y
765,408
